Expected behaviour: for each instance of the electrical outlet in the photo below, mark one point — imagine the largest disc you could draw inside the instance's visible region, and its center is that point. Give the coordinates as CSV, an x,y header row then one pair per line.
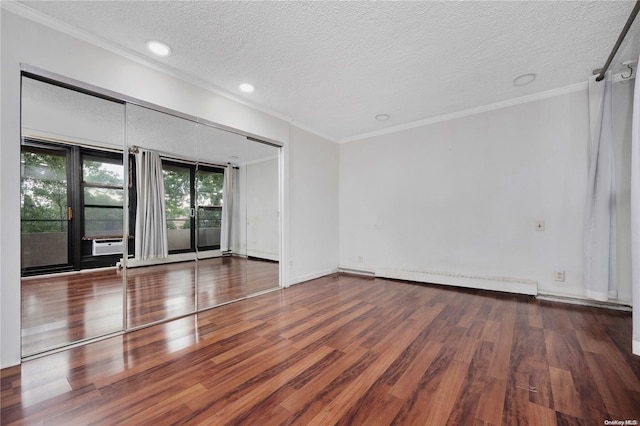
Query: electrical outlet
x,y
559,276
540,225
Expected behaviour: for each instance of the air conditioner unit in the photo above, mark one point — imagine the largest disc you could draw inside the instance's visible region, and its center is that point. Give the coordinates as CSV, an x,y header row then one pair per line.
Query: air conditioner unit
x,y
106,247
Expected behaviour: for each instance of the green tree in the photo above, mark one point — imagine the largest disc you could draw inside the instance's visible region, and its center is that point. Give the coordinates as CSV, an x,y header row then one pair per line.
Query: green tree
x,y
43,191
177,194
103,195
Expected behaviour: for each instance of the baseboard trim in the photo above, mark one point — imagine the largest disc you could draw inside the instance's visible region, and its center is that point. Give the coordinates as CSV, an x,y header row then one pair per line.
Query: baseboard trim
x,y
172,258
263,255
576,300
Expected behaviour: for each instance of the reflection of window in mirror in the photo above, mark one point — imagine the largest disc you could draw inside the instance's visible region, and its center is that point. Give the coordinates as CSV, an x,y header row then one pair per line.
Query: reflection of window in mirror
x,y
72,201
178,196
44,197
209,184
103,196
193,206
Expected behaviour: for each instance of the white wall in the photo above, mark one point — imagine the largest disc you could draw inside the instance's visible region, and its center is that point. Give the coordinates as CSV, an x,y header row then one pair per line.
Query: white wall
x,y
263,228
457,202
314,208
24,41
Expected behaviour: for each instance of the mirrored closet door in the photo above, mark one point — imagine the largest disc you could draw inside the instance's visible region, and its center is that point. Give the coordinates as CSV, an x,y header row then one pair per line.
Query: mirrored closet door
x,y
221,272
161,273
72,205
247,261
260,180
119,232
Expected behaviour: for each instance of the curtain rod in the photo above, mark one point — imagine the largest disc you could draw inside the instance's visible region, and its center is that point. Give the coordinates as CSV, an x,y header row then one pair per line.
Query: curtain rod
x,y
601,72
134,149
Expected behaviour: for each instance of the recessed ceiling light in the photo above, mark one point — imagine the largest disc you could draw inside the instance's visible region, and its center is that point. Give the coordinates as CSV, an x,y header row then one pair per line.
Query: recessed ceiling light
x,y
158,48
383,117
246,87
524,79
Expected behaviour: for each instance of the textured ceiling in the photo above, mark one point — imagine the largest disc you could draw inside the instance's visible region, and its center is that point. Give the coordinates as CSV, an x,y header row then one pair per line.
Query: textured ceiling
x,y
332,66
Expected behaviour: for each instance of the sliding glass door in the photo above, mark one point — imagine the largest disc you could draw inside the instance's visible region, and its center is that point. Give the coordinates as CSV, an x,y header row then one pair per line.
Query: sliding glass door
x,y
45,208
178,196
209,190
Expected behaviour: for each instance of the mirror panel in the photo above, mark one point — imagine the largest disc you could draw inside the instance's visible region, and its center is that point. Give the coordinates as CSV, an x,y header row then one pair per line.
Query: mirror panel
x,y
262,217
221,263
71,216
161,270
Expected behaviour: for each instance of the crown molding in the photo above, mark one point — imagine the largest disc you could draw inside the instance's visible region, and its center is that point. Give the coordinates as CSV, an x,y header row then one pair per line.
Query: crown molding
x,y
471,111
313,131
55,24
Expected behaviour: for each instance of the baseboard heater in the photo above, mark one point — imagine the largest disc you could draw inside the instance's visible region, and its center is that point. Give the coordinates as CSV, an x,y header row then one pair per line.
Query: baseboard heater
x,y
106,247
481,282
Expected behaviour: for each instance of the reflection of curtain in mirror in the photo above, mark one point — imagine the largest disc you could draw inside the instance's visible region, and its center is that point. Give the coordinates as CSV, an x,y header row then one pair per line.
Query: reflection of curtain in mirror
x,y
229,188
635,217
600,219
151,227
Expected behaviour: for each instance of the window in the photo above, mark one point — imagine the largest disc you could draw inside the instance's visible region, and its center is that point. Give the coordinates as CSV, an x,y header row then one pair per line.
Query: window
x,y
44,201
187,190
103,196
178,196
209,188
70,196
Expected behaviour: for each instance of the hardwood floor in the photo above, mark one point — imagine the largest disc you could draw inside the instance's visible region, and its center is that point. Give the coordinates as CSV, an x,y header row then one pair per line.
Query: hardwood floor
x,y
59,309
346,350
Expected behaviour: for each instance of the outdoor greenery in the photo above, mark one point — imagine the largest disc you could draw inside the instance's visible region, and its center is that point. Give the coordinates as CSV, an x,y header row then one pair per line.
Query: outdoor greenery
x,y
43,192
177,196
177,193
209,190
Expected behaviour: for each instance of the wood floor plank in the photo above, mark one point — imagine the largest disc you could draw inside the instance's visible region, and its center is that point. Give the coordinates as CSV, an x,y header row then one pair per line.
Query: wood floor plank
x,y
491,403
321,397
343,401
420,402
245,406
343,350
565,396
620,401
448,393
564,352
323,381
376,406
474,385
541,416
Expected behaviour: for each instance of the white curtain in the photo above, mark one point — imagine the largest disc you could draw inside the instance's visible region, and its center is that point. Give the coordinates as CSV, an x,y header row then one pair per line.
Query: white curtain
x,y
635,217
229,187
151,226
600,216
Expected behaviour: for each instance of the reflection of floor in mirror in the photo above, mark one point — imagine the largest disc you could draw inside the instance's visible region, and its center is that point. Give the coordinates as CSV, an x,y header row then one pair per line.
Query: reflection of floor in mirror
x,y
59,309
223,279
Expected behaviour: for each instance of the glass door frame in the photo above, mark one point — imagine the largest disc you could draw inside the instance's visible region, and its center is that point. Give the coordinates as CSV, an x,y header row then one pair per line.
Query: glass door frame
x,y
33,144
